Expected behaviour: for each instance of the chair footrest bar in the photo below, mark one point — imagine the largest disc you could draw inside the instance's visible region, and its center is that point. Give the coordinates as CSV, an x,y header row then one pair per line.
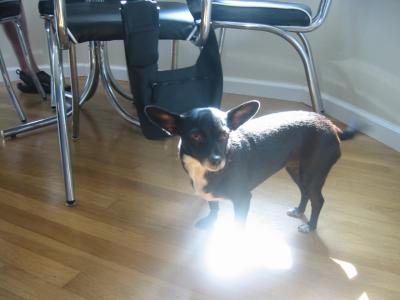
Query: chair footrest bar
x,y
13,131
33,125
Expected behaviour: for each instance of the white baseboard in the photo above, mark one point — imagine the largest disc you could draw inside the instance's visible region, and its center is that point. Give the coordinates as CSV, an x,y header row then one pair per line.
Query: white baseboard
x,y
370,124
374,126
119,72
11,73
266,89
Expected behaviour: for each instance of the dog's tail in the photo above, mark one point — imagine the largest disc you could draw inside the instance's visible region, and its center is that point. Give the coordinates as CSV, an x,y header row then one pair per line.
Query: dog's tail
x,y
348,133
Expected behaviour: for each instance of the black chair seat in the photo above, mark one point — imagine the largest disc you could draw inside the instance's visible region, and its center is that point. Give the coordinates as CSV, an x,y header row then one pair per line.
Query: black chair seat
x,y
46,7
273,13
102,21
9,8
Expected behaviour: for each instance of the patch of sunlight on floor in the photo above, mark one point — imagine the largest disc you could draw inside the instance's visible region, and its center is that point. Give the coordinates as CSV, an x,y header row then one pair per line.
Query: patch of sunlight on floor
x,y
233,251
364,296
348,268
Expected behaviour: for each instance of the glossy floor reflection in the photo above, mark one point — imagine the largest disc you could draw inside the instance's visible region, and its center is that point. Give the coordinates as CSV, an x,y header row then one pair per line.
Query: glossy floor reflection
x,y
233,251
347,268
364,296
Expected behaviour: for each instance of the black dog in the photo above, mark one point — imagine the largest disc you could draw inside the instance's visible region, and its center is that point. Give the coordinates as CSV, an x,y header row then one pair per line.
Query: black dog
x,y
227,158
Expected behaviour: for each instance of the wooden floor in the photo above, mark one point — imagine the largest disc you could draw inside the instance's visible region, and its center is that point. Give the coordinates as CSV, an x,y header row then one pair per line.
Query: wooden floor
x,y
132,234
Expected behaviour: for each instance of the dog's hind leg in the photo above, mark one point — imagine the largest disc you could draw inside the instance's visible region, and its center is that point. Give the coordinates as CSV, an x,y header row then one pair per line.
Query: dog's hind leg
x,y
315,176
297,212
317,201
208,221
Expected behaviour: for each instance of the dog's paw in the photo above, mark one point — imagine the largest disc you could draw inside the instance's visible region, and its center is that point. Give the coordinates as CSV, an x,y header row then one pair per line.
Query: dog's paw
x,y
205,223
295,213
305,228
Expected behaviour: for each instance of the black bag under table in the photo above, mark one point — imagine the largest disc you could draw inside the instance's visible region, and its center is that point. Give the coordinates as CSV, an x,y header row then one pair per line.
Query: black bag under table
x,y
178,90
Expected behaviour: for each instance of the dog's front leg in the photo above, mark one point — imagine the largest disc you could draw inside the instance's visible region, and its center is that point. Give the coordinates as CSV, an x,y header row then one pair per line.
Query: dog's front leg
x,y
208,221
241,205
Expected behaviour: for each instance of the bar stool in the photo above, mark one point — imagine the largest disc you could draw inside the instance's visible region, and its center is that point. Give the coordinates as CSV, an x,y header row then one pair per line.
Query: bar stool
x,y
10,11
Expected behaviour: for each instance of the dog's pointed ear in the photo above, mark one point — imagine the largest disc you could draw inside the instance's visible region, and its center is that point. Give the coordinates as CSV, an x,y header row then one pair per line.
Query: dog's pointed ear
x,y
163,119
241,114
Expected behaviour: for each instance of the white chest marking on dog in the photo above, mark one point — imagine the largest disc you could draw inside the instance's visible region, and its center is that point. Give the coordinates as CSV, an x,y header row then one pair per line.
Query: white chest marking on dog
x,y
196,172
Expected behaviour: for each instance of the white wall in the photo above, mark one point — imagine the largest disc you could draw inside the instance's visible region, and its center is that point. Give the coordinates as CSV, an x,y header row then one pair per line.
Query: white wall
x,y
356,53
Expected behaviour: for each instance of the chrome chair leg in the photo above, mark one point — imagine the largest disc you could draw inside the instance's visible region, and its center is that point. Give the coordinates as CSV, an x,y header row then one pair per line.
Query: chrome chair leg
x,y
92,80
29,126
18,108
49,36
308,67
58,78
22,39
307,62
88,90
304,55
108,88
311,74
175,53
112,81
75,91
303,49
221,40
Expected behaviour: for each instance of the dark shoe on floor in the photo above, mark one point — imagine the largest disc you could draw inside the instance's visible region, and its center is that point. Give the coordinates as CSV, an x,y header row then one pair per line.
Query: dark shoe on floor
x,y
27,85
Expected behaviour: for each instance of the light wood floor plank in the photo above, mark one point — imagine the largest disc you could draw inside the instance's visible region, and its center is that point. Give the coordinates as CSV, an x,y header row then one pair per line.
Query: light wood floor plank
x,y
28,286
6,295
35,264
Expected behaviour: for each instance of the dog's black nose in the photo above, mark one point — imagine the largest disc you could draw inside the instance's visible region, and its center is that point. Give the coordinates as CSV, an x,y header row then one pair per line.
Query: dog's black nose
x,y
215,159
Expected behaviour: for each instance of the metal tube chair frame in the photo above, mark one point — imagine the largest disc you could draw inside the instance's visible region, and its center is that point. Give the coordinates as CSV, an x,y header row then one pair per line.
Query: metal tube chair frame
x,y
16,20
58,40
98,64
14,100
90,86
99,68
301,45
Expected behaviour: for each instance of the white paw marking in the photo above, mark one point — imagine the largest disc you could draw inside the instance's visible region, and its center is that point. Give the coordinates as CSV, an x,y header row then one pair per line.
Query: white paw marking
x,y
293,212
304,228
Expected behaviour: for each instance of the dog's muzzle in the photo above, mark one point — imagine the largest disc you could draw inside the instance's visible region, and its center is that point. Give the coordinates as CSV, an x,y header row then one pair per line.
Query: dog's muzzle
x,y
215,163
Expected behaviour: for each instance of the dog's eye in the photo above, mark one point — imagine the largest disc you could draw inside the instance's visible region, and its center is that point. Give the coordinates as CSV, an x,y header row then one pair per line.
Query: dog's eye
x,y
196,136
